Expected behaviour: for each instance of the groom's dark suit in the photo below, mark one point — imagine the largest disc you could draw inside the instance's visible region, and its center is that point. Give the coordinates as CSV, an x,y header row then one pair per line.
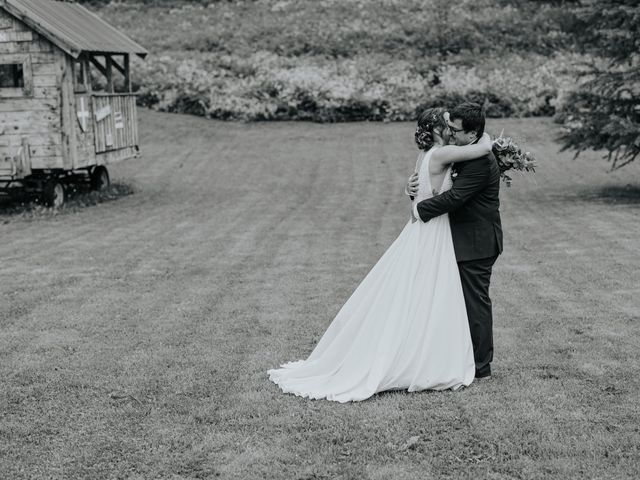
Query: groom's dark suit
x,y
473,207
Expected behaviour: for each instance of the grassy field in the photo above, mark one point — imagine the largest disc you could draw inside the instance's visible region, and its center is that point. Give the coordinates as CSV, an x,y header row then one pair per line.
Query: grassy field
x,y
135,334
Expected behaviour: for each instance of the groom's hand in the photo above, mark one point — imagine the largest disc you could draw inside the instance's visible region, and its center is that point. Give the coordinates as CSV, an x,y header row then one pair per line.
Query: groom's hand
x,y
412,186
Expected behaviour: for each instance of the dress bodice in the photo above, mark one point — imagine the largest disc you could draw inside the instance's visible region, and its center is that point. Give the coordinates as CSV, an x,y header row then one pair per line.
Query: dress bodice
x,y
425,189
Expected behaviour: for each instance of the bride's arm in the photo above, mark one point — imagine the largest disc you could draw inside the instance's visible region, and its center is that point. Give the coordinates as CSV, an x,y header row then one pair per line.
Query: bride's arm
x,y
453,153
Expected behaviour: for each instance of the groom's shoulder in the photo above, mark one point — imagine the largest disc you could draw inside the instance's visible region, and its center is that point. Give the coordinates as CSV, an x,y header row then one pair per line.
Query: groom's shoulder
x,y
489,157
482,162
485,166
488,160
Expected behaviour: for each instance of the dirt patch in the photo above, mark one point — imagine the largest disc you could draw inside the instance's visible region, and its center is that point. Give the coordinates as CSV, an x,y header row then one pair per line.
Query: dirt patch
x,y
602,194
625,194
78,197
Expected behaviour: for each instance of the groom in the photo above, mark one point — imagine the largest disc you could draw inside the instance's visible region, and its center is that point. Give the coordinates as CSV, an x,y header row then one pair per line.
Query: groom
x,y
473,207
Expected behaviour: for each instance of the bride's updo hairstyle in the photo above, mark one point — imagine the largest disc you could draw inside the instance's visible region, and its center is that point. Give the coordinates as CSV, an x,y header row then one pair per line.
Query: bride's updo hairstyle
x,y
429,119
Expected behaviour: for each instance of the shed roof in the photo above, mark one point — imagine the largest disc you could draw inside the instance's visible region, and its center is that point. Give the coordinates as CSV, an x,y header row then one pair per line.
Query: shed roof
x,y
71,27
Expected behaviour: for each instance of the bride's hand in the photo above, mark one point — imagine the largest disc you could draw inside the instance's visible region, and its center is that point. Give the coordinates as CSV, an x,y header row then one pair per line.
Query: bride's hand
x,y
412,185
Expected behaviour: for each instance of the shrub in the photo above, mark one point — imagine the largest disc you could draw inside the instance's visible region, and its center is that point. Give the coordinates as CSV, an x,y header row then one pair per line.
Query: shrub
x,y
335,60
265,86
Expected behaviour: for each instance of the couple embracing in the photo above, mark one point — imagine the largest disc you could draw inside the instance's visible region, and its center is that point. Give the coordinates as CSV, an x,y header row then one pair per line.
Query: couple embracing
x,y
421,318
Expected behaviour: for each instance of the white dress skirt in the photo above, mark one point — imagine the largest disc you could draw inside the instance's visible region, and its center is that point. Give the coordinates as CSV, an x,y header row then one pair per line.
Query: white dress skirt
x,y
404,327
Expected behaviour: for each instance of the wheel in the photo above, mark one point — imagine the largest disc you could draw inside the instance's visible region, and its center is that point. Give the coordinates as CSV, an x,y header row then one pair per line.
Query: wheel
x,y
53,194
99,178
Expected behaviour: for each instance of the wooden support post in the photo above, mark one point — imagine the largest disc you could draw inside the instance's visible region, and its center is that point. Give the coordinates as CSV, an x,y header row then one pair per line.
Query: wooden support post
x,y
109,73
127,73
86,73
69,116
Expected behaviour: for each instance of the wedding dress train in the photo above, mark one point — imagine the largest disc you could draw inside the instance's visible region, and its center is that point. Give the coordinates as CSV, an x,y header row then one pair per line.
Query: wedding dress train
x,y
404,327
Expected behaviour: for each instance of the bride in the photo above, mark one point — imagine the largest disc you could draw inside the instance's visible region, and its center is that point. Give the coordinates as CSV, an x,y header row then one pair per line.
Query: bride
x,y
405,326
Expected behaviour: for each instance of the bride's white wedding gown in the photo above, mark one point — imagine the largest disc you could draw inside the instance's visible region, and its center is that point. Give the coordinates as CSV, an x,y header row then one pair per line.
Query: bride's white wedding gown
x,y
404,327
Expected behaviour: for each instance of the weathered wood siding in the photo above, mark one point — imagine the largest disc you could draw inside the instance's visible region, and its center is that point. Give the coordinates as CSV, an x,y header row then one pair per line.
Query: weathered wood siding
x,y
35,114
85,140
79,129
78,143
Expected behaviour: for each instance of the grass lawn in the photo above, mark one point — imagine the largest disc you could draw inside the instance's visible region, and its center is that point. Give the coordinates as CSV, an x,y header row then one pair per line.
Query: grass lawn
x,y
135,335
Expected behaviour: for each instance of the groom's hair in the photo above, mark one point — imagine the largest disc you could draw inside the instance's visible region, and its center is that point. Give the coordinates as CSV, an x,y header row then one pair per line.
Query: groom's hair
x,y
472,116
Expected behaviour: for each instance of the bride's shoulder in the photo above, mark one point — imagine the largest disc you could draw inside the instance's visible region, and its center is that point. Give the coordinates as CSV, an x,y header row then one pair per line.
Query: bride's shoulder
x,y
433,152
438,159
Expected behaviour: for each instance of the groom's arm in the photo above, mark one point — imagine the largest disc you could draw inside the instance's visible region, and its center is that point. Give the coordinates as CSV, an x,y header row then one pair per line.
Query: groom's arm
x,y
471,180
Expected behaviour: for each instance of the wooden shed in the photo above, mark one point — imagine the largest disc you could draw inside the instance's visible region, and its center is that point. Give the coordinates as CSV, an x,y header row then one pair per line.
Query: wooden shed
x,y
54,127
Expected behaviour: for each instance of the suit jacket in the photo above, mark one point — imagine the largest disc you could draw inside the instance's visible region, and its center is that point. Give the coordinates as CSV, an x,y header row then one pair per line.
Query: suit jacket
x,y
474,209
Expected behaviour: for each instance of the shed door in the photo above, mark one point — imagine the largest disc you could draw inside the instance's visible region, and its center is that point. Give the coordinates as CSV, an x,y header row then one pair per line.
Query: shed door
x,y
114,118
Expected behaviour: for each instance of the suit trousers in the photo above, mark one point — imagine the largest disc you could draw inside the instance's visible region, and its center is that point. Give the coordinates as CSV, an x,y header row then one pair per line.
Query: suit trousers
x,y
475,276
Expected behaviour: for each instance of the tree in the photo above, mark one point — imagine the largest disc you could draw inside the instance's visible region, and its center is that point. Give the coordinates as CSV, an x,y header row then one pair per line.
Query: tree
x,y
604,110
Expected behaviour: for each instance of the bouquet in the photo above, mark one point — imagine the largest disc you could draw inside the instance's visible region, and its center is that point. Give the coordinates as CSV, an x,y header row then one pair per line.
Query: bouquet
x,y
511,157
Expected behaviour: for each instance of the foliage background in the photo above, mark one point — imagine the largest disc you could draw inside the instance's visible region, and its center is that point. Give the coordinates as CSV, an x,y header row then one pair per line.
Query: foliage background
x,y
604,110
340,60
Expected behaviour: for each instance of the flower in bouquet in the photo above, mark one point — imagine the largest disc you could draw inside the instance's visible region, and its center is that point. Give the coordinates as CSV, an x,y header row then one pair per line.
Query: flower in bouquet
x,y
511,157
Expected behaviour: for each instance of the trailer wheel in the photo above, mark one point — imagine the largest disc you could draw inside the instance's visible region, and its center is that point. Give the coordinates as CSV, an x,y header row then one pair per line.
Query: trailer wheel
x,y
53,194
99,178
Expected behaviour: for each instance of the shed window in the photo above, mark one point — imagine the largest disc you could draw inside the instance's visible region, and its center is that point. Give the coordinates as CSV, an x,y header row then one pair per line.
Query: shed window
x,y
12,76
16,76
